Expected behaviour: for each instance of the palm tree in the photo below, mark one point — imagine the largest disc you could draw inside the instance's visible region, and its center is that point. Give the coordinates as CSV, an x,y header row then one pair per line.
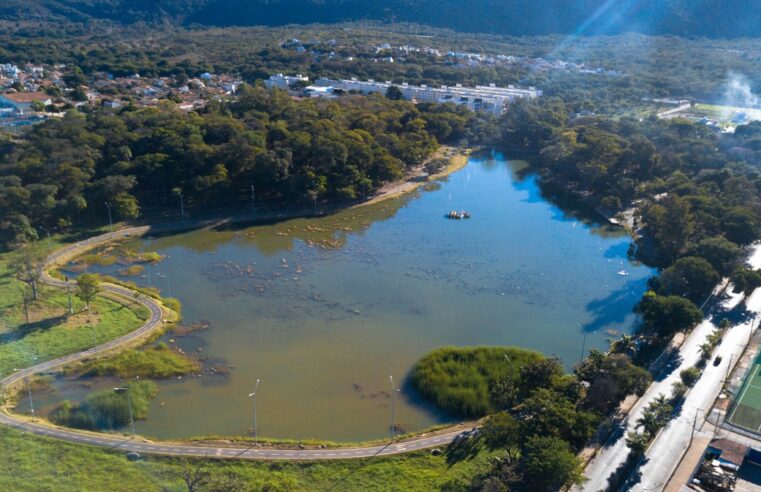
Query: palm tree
x,y
649,423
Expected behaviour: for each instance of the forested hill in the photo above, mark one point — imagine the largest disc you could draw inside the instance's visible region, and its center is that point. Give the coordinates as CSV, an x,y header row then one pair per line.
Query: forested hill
x,y
734,18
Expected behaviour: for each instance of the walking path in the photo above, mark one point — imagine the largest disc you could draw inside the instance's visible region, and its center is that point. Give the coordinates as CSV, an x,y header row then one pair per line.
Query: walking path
x,y
141,445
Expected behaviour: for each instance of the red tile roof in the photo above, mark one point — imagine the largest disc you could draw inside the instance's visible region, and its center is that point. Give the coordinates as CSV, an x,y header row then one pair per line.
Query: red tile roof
x,y
27,97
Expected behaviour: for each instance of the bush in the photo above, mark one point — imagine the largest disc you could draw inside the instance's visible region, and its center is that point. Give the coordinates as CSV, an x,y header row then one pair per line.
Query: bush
x,y
689,376
173,303
106,409
459,380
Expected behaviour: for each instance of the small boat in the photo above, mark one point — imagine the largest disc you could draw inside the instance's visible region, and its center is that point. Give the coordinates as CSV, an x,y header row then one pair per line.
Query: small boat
x,y
624,273
455,215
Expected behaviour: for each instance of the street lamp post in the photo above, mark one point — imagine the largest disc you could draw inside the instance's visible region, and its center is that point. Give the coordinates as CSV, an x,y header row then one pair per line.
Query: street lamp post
x,y
253,395
94,336
110,222
68,294
314,185
129,399
50,244
31,403
583,343
394,390
253,201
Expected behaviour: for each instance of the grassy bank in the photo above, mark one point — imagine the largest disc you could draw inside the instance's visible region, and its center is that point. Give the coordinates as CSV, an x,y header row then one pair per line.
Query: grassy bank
x,y
157,362
31,463
51,331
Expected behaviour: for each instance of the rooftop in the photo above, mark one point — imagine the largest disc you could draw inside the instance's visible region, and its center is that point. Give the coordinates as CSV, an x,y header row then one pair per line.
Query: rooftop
x,y
26,97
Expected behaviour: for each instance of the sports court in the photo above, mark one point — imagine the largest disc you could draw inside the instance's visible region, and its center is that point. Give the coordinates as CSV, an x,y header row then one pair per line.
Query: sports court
x,y
746,412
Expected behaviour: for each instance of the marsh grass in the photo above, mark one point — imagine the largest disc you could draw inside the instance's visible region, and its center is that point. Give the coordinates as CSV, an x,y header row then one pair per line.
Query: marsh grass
x,y
459,379
157,362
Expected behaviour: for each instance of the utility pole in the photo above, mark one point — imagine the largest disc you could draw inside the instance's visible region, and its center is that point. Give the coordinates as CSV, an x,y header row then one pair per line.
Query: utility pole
x,y
26,305
750,333
694,423
729,366
110,222
253,395
68,293
31,403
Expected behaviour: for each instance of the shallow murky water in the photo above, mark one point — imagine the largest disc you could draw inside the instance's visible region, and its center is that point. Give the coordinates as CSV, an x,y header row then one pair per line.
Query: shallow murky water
x,y
324,310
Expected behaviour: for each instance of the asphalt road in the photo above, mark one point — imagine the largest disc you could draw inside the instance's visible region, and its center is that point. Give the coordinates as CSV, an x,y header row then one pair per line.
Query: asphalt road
x,y
143,446
666,451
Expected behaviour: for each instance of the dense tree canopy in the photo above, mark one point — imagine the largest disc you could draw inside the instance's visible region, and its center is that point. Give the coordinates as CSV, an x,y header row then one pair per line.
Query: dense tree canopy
x,y
68,169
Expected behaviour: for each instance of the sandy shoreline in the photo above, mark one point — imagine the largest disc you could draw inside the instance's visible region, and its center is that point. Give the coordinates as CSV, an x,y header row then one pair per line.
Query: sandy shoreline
x,y
457,159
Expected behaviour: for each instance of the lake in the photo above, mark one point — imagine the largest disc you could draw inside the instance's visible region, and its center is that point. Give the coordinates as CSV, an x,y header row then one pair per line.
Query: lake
x,y
323,310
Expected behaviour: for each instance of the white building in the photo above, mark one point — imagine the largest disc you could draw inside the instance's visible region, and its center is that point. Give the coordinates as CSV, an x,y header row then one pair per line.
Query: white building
x,y
319,91
491,99
22,101
284,81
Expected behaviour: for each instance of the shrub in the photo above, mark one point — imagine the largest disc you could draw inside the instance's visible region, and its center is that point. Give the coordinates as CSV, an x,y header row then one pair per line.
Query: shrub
x,y
689,376
173,303
106,409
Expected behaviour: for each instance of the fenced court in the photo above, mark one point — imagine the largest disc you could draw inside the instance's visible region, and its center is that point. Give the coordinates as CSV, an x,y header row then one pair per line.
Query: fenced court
x,y
746,412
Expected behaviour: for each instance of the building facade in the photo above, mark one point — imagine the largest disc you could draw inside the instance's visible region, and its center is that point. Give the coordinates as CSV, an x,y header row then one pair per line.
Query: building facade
x,y
490,99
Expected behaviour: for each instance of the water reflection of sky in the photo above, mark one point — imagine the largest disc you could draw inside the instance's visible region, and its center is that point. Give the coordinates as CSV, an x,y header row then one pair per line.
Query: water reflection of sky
x,y
325,309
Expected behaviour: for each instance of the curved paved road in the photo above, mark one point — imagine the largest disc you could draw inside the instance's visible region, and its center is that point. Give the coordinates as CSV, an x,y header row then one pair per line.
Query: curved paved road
x,y
143,446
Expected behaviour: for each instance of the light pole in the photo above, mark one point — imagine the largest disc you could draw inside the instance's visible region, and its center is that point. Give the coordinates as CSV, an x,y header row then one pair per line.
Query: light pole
x,y
253,202
168,287
148,274
110,222
314,185
31,403
394,390
94,336
50,244
253,395
583,343
68,293
750,333
26,305
129,399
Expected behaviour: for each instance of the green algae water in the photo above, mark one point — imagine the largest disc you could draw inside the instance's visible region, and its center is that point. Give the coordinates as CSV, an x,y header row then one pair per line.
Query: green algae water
x,y
324,310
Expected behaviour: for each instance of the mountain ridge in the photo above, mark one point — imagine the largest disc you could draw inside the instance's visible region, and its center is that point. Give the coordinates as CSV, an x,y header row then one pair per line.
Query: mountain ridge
x,y
728,19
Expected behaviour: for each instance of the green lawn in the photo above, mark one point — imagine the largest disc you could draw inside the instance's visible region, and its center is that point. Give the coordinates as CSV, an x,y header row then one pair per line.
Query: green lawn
x,y
39,464
52,332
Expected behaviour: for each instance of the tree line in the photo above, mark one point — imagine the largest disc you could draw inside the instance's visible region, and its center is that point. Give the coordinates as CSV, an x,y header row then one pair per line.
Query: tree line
x,y
70,171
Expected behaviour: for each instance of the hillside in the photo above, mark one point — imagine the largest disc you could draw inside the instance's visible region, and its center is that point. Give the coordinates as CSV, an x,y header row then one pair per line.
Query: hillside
x,y
511,17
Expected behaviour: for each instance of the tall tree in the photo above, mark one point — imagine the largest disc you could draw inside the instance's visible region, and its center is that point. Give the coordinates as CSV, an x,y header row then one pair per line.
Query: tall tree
x,y
549,464
27,267
88,286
